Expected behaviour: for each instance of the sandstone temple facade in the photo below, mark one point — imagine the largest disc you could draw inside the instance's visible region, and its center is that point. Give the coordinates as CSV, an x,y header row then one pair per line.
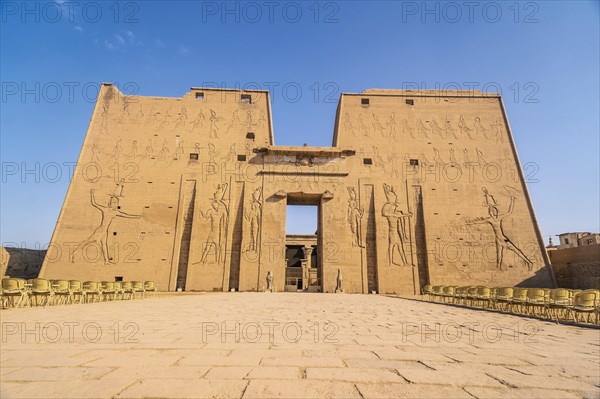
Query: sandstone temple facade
x,y
417,188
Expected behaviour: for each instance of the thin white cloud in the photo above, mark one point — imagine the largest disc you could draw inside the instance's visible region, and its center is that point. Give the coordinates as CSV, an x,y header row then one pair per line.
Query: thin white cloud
x,y
109,45
159,43
78,29
183,50
119,39
130,36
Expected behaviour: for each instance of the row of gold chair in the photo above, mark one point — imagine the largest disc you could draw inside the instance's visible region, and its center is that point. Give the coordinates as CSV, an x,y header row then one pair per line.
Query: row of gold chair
x,y
555,304
17,292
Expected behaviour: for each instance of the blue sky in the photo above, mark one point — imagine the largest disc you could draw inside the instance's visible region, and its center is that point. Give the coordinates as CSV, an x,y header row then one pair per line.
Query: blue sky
x,y
544,56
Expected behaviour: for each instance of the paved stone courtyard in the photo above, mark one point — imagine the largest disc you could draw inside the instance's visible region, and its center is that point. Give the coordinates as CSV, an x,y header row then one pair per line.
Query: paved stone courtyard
x,y
257,345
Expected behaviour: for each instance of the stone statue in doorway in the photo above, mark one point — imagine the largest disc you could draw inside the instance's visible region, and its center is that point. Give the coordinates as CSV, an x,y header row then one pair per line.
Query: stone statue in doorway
x,y
338,287
269,281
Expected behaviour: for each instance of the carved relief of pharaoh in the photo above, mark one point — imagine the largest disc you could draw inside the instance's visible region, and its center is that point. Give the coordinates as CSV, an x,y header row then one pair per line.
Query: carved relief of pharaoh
x,y
495,219
355,214
101,233
253,216
218,215
396,227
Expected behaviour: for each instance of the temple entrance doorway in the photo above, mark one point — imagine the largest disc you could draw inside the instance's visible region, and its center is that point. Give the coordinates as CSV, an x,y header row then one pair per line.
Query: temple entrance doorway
x,y
302,255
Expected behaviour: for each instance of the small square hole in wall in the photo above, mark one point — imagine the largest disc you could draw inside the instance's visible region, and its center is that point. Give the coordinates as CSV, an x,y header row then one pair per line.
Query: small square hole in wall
x,y
367,161
199,96
414,162
241,158
364,102
118,278
410,101
246,99
250,136
193,157
114,233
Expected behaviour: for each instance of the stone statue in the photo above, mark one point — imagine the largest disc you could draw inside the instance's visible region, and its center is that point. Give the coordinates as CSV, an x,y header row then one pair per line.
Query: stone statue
x,y
338,287
269,281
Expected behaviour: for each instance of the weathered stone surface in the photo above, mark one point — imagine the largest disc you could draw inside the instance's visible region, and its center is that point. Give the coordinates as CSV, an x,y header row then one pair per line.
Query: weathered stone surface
x,y
417,188
562,360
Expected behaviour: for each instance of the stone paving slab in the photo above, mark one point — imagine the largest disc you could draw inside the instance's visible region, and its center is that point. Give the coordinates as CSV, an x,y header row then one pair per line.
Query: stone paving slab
x,y
255,345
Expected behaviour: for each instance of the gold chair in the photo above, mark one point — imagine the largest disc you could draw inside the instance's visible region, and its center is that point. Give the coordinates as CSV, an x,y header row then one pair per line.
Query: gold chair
x,y
428,290
62,293
559,301
585,302
108,290
448,293
42,288
484,295
76,290
149,286
519,299
436,291
139,287
536,299
127,289
118,289
92,291
14,289
471,296
504,296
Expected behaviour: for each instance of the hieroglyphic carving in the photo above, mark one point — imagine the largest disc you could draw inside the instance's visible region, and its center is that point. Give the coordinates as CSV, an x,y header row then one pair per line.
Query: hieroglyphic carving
x,y
262,121
467,159
149,150
355,214
479,129
378,158
179,150
199,121
437,157
422,129
118,191
214,128
394,162
450,131
361,126
234,122
218,215
406,129
253,216
435,128
249,122
164,151
104,119
133,151
181,118
453,160
391,124
95,153
495,219
117,150
396,226
377,126
100,234
497,131
348,124
464,129
231,154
